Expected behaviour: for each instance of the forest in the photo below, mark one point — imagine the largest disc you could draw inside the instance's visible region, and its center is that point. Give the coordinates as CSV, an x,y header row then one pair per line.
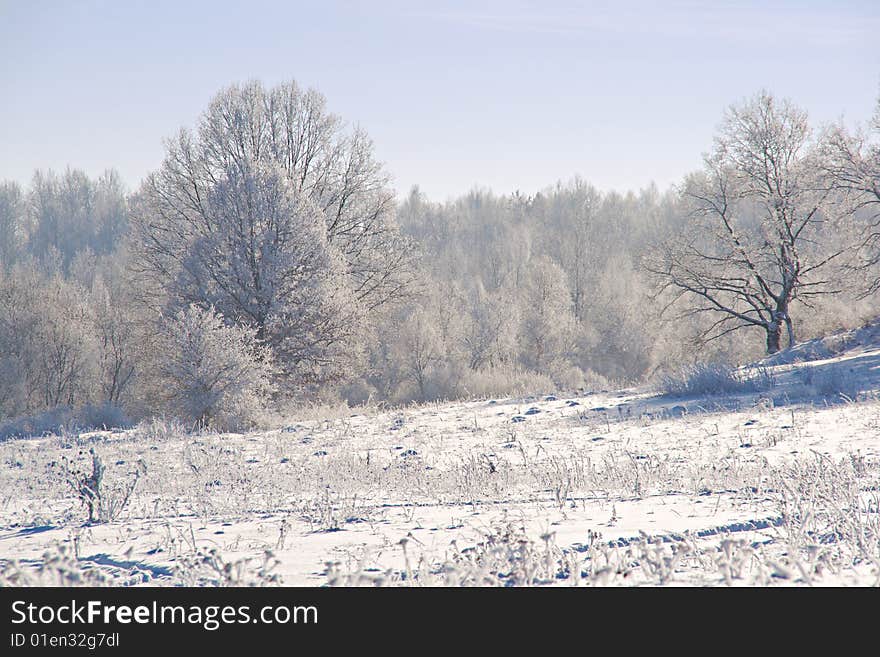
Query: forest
x,y
268,263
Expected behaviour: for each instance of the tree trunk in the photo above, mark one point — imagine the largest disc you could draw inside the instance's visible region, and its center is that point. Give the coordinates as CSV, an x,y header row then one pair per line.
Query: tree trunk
x,y
420,380
774,336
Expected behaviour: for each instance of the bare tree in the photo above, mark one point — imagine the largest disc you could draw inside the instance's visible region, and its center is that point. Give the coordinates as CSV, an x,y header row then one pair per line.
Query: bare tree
x,y
117,338
420,348
852,161
763,229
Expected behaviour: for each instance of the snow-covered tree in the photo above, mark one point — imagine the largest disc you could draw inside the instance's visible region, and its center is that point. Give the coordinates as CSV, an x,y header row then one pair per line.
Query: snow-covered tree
x,y
70,213
547,321
257,251
288,129
487,329
419,349
853,164
118,334
279,217
47,345
762,230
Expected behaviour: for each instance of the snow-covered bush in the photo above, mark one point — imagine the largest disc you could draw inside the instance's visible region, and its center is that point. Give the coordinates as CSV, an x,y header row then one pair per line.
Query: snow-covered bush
x,y
715,379
503,381
211,374
836,384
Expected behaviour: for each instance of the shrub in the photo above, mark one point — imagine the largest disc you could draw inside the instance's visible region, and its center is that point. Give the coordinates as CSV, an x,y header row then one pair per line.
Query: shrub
x,y
716,379
94,417
501,381
65,419
210,374
87,483
834,383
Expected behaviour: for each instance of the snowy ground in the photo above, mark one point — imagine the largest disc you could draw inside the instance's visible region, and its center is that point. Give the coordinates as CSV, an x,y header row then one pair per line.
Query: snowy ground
x,y
781,487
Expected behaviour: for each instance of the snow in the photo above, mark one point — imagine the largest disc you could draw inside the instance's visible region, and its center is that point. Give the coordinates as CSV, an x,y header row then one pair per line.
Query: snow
x,y
630,487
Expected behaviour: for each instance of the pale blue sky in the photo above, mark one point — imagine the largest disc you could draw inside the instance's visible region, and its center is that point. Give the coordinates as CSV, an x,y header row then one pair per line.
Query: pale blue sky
x,y
510,95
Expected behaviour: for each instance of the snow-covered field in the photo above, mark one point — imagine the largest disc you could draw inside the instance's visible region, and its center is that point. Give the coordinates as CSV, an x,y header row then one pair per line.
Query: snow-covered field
x,y
624,488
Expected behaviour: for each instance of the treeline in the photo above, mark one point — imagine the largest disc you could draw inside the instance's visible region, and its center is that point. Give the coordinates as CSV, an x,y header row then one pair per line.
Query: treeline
x,y
266,262
553,292
542,292
66,331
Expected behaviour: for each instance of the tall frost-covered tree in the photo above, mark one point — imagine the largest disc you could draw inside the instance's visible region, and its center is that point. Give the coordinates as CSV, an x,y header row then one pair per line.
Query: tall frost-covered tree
x,y
571,236
47,345
320,158
118,341
420,348
280,217
763,228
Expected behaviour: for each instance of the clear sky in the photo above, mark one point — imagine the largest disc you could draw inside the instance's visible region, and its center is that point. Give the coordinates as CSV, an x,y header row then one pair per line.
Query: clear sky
x,y
509,95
